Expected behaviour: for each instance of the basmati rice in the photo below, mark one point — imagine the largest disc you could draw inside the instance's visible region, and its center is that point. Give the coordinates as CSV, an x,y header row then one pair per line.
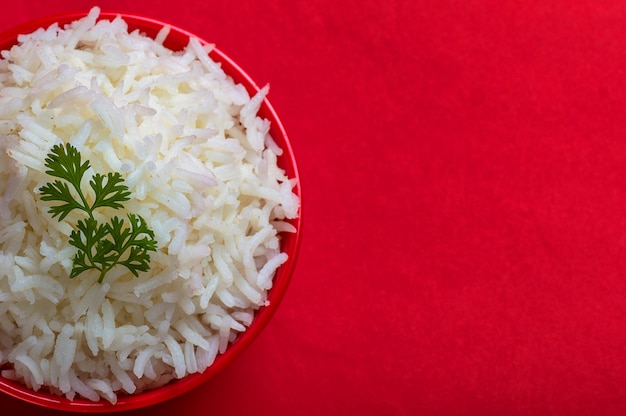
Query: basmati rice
x,y
201,166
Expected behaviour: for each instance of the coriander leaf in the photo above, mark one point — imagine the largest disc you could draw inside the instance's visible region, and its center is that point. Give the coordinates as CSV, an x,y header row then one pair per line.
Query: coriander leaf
x,y
111,193
139,226
88,235
119,234
65,163
99,246
60,191
88,239
128,238
138,260
80,264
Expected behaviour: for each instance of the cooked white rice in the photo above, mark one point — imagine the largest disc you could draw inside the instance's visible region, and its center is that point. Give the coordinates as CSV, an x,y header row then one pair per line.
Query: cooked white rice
x,y
202,170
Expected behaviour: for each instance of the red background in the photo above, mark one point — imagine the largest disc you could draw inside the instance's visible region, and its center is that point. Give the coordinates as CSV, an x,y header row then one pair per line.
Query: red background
x,y
464,193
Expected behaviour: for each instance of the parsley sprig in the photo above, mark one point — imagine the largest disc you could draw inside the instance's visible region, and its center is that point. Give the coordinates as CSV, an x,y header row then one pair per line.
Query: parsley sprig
x,y
100,246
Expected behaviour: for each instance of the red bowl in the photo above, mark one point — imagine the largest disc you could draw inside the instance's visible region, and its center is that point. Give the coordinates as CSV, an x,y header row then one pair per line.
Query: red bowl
x,y
290,242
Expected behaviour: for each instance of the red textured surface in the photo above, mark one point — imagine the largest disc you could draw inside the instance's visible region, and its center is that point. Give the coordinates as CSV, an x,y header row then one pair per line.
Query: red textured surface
x,y
464,192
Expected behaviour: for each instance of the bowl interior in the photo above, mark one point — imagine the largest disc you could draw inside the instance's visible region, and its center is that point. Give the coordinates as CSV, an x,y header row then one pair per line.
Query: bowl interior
x,y
176,40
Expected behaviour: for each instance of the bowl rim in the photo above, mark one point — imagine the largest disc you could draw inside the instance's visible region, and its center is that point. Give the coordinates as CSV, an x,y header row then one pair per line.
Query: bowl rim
x,y
291,241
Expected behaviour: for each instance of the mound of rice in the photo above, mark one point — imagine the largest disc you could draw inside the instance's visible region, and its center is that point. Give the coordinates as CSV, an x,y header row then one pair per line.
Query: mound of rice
x,y
202,169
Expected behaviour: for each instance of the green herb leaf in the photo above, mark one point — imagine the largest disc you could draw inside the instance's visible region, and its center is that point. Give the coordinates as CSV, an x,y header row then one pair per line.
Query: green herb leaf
x,y
111,193
60,191
99,246
65,163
